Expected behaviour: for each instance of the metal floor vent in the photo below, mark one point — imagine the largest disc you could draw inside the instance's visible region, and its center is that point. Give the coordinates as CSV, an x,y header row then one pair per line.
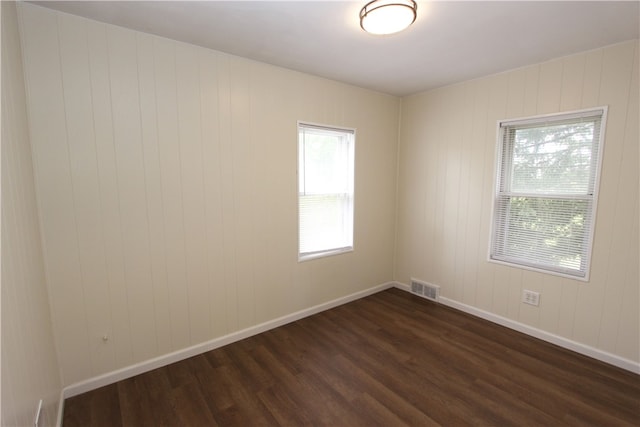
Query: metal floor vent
x,y
426,290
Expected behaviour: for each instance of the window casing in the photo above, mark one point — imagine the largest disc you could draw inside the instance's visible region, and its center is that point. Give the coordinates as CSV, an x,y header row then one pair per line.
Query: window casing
x,y
546,192
325,190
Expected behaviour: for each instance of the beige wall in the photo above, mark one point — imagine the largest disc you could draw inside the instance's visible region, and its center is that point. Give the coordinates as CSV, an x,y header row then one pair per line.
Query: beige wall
x,y
29,363
446,173
166,178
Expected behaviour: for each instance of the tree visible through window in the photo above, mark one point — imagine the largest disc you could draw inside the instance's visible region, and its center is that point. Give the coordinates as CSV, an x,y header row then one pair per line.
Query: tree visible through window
x,y
545,202
325,190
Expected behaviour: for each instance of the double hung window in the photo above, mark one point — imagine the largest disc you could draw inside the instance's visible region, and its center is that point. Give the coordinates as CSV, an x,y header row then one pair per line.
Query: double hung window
x,y
325,190
545,200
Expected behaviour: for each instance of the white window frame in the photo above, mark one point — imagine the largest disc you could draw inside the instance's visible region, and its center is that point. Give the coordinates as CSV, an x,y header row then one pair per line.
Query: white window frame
x,y
350,215
592,197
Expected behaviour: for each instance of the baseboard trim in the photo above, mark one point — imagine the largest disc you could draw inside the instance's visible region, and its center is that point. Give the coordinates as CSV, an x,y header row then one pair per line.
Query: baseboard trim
x,y
583,349
60,416
402,286
176,356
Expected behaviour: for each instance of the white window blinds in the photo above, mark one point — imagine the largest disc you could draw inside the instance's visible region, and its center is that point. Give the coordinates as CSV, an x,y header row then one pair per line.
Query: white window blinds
x,y
545,201
325,190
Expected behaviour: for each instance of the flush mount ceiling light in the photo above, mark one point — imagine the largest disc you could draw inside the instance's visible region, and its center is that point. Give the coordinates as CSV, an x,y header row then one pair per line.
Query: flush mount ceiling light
x,y
387,16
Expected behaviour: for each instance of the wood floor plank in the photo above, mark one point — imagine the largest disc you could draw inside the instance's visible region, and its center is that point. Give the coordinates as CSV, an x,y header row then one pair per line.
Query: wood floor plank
x,y
99,408
280,403
379,414
391,359
247,409
402,406
135,407
188,402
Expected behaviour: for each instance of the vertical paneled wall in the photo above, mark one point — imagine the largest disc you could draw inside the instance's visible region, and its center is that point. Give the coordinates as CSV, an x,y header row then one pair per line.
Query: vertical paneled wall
x,y
446,182
166,180
29,363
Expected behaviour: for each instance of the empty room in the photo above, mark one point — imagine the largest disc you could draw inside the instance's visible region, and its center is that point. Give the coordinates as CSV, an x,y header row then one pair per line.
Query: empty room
x,y
337,213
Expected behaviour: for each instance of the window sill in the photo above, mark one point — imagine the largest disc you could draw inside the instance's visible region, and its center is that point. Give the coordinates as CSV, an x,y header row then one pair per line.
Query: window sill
x,y
523,266
322,254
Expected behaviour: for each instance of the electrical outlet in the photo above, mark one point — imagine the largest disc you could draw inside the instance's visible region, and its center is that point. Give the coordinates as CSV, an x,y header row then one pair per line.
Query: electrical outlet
x,y
531,297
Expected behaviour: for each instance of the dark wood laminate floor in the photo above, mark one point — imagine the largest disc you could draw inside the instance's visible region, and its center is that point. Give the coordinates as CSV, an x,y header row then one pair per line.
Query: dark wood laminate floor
x,y
391,359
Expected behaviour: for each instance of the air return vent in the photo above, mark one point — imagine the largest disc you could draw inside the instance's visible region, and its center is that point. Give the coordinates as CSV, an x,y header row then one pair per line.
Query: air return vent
x,y
424,289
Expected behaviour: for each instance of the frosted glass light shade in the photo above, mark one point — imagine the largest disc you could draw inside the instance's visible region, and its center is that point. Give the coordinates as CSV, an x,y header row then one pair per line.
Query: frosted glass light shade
x,y
387,16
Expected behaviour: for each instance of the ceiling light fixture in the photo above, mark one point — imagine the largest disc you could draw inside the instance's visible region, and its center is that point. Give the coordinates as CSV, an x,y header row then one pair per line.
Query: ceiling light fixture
x,y
387,16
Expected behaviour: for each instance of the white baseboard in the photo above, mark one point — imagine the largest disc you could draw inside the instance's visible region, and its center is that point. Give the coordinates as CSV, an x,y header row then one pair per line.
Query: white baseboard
x,y
60,416
402,286
176,356
584,349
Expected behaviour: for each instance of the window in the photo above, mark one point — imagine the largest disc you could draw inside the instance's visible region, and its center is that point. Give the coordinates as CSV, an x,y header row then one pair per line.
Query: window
x,y
546,187
325,190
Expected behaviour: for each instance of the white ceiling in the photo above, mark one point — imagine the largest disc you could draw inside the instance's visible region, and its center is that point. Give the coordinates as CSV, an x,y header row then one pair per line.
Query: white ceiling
x,y
450,41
